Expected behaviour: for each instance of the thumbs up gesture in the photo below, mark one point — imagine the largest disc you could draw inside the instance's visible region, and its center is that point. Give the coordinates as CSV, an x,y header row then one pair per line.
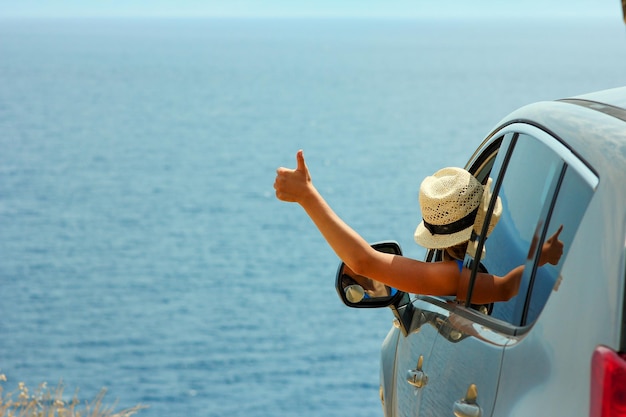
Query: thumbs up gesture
x,y
552,249
293,185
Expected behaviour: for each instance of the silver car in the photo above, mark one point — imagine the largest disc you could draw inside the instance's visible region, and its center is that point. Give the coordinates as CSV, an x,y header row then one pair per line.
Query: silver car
x,y
558,347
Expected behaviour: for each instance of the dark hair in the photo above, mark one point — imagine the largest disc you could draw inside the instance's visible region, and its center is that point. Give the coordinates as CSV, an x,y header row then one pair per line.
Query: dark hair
x,y
457,251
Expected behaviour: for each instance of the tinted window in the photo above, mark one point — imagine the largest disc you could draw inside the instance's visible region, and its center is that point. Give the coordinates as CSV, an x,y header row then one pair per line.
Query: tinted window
x,y
571,202
539,192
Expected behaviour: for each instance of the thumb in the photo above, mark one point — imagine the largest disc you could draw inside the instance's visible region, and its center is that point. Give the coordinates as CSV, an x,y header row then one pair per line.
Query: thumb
x,y
557,233
301,164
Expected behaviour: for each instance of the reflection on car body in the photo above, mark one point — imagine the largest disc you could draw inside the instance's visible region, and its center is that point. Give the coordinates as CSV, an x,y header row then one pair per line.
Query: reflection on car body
x,y
559,169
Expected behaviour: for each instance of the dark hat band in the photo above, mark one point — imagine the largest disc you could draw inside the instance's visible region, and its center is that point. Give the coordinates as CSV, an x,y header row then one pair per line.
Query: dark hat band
x,y
454,227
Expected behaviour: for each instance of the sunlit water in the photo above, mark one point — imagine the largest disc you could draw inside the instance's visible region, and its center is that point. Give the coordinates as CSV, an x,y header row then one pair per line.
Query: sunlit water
x,y
141,246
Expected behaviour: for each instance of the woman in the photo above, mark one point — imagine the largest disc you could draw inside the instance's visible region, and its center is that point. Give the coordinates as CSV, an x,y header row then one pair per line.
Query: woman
x,y
452,203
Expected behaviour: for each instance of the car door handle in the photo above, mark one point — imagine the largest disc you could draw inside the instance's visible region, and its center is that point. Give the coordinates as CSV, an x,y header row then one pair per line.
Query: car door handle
x,y
467,407
417,377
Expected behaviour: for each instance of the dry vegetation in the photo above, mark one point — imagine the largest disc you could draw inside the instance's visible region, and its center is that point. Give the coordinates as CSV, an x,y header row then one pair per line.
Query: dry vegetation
x,y
46,402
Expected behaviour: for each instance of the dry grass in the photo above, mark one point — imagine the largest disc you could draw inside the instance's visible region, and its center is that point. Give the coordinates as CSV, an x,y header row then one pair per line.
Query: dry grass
x,y
45,402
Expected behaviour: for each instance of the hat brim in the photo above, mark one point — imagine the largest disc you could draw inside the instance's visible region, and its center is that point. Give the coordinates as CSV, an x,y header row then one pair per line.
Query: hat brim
x,y
428,240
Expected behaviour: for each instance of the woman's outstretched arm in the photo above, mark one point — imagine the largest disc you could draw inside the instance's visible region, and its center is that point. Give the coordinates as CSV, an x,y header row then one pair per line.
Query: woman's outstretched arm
x,y
295,185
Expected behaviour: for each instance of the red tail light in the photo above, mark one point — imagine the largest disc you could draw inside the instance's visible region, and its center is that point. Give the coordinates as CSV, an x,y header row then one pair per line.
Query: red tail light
x,y
608,383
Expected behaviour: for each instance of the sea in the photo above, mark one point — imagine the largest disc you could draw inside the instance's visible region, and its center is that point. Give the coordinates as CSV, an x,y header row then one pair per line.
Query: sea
x,y
142,249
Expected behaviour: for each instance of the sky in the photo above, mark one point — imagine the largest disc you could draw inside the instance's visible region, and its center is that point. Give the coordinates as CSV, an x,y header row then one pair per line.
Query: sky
x,y
308,8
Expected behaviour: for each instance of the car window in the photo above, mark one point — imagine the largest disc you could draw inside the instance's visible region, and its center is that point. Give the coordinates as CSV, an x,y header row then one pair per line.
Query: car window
x,y
570,205
537,189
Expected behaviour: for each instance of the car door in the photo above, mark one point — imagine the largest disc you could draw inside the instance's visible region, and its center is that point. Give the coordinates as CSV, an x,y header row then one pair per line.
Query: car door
x,y
464,366
417,382
527,364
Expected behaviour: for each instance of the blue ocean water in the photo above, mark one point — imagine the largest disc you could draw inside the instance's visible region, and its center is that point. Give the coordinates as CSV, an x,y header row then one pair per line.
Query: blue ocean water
x,y
141,246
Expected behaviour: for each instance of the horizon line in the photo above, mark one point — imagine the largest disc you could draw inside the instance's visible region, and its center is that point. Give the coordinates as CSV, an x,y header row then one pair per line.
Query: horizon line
x,y
320,16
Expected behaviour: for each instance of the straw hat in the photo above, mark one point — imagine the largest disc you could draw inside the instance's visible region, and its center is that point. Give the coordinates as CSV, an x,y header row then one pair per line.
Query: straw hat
x,y
453,203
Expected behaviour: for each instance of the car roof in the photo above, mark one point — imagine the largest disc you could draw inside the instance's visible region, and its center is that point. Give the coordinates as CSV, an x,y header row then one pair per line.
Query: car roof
x,y
592,126
615,97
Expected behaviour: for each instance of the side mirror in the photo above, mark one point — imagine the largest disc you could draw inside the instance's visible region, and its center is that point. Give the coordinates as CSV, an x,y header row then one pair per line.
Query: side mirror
x,y
363,292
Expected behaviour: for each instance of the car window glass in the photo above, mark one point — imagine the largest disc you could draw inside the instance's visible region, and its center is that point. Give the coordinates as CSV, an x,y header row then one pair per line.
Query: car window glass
x,y
528,181
542,202
571,202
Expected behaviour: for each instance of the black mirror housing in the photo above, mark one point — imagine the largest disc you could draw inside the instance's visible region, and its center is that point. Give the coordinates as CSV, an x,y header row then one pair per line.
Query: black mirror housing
x,y
361,292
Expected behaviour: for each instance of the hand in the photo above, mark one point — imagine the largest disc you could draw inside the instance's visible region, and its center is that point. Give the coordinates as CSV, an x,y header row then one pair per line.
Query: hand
x,y
552,249
293,185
